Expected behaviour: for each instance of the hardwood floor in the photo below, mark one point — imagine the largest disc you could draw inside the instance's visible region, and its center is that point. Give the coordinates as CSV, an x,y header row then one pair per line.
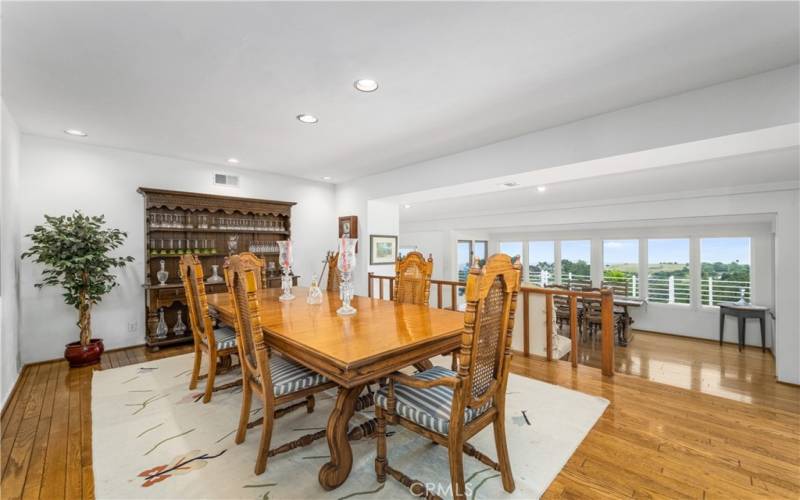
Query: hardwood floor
x,y
699,365
654,440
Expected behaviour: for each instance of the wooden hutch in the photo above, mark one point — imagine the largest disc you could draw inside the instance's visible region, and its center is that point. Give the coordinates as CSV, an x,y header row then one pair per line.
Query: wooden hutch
x,y
213,227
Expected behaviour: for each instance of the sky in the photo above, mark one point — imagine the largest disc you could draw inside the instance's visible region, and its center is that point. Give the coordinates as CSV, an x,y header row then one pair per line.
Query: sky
x,y
627,251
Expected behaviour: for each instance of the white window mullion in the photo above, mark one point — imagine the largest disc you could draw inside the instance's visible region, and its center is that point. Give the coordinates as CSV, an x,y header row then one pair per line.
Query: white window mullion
x,y
643,259
695,299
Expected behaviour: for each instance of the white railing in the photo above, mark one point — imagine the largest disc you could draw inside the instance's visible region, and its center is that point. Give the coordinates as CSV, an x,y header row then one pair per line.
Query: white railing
x,y
541,278
670,290
714,291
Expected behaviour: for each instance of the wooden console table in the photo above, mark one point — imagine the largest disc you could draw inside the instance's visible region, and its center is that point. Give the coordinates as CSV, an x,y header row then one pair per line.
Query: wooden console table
x,y
742,312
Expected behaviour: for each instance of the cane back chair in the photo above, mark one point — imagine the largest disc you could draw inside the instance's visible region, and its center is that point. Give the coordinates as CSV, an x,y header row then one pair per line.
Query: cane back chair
x,y
412,285
218,343
451,407
275,380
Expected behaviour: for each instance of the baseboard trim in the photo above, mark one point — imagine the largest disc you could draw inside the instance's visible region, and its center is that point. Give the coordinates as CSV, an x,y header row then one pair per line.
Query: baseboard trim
x,y
34,363
13,392
689,337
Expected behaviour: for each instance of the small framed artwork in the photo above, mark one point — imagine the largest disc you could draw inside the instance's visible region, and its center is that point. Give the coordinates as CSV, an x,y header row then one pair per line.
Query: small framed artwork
x,y
382,249
348,227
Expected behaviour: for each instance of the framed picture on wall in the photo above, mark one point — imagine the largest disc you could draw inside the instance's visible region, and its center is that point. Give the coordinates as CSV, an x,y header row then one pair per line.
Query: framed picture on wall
x,y
382,249
348,227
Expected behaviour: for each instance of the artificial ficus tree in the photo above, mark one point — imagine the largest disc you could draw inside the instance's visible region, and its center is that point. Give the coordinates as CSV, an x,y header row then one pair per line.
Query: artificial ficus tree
x,y
75,251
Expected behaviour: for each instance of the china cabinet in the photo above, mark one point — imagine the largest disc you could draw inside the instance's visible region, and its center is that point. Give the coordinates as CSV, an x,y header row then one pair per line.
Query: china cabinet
x,y
212,227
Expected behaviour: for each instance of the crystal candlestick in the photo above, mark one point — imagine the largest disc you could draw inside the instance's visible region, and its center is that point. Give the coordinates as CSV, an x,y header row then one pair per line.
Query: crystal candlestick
x,y
347,261
286,259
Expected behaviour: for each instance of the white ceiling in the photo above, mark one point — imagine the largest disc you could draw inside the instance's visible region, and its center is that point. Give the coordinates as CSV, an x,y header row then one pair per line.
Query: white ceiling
x,y
772,167
207,81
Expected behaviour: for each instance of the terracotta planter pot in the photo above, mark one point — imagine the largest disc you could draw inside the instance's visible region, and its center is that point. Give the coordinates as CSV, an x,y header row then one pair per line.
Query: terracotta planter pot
x,y
78,355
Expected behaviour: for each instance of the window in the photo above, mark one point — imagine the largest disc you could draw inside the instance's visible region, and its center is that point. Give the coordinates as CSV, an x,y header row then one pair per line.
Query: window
x,y
511,248
403,251
463,258
668,279
481,251
724,270
542,262
621,266
575,258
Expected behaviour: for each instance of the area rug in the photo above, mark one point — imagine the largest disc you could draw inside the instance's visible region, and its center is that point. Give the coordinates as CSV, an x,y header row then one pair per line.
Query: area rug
x,y
145,422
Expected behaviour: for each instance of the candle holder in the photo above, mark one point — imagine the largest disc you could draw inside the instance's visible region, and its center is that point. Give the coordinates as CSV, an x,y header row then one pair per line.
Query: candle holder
x,y
347,261
286,259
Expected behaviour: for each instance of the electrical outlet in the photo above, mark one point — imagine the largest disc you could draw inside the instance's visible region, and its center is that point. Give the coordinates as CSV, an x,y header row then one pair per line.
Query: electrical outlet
x,y
133,326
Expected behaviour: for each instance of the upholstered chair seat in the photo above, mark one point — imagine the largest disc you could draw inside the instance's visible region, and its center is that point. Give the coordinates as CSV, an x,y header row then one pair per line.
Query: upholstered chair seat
x,y
429,407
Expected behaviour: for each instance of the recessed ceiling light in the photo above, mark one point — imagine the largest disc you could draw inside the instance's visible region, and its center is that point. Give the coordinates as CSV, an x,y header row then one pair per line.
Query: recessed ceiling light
x,y
234,161
510,184
406,206
326,178
76,132
307,118
366,85
541,189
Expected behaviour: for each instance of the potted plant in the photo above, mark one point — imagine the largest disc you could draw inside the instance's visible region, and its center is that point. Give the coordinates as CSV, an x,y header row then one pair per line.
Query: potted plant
x,y
75,252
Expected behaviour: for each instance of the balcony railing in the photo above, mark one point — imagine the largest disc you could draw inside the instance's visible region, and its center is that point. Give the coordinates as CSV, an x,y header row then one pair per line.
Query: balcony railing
x,y
670,290
713,291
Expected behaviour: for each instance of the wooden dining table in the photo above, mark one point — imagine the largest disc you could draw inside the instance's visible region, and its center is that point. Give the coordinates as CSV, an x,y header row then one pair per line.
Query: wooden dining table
x,y
381,338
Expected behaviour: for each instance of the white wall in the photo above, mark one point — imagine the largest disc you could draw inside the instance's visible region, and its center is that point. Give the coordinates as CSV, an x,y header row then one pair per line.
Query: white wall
x,y
58,176
9,255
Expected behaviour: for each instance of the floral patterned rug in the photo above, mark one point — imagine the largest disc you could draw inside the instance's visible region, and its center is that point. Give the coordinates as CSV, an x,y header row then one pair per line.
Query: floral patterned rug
x,y
153,438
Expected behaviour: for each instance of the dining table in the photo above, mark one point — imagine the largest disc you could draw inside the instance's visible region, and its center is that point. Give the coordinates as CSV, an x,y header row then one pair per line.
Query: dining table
x,y
380,338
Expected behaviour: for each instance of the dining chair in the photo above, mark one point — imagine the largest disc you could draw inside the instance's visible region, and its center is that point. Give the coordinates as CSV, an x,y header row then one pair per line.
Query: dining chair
x,y
334,275
620,288
252,259
449,407
412,285
219,344
274,379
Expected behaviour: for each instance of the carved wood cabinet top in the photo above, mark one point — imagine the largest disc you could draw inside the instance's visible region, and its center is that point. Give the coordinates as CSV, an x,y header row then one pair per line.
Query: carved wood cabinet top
x,y
163,198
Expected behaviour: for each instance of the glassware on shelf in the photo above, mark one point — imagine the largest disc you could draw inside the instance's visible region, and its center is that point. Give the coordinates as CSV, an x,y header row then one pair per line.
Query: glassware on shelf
x,y
179,328
314,293
271,268
153,249
162,273
346,264
233,243
161,328
179,250
215,277
286,260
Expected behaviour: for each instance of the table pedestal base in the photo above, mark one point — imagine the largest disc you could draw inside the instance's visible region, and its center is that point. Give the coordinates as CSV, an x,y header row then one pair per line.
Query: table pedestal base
x,y
334,473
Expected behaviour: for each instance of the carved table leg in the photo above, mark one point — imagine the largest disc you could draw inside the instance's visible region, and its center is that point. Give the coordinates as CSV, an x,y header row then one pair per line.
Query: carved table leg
x,y
334,473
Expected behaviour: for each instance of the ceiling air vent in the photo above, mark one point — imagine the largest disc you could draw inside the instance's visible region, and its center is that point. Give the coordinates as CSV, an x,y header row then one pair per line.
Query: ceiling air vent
x,y
226,180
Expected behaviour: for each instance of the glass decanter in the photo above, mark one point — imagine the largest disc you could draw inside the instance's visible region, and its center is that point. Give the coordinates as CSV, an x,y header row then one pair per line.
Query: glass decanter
x,y
162,273
346,264
215,277
161,328
179,328
286,260
314,293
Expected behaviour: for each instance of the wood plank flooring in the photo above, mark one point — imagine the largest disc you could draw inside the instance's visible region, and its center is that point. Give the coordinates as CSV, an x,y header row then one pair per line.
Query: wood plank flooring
x,y
654,440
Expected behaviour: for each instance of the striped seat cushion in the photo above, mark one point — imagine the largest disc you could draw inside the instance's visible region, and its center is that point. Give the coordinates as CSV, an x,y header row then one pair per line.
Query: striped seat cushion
x,y
288,376
429,408
225,337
